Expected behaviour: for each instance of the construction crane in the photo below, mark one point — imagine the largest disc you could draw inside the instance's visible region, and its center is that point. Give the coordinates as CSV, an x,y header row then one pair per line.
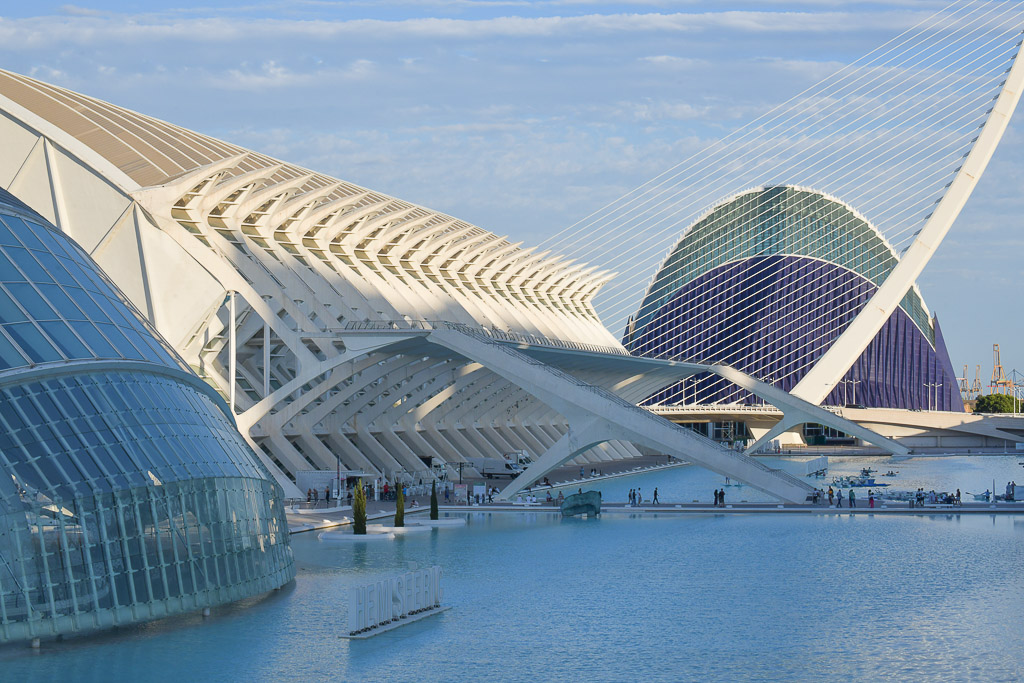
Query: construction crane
x,y
976,384
965,390
1000,383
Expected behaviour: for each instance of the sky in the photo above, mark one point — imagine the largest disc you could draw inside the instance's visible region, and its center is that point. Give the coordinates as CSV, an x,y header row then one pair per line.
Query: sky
x,y
521,117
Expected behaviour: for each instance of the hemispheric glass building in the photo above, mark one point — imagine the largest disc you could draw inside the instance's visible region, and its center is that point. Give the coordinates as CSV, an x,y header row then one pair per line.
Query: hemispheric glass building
x,y
765,282
126,493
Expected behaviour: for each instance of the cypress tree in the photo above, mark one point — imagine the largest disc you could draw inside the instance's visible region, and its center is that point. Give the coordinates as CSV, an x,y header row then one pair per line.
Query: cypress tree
x,y
399,506
433,500
359,510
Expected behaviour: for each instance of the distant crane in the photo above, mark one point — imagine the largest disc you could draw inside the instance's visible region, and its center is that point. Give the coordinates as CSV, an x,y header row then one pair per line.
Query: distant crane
x,y
976,384
965,389
1000,383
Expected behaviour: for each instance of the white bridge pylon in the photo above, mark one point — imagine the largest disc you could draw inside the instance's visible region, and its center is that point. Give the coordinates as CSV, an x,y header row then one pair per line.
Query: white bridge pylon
x,y
596,415
834,364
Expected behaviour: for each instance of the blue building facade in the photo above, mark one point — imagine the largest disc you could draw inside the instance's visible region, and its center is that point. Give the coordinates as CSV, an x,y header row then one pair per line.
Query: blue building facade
x,y
766,282
126,493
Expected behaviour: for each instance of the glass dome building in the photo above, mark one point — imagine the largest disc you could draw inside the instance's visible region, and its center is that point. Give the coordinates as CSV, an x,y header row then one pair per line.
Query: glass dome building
x,y
765,282
126,493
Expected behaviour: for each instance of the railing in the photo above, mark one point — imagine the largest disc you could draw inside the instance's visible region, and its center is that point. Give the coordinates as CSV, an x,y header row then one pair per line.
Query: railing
x,y
492,333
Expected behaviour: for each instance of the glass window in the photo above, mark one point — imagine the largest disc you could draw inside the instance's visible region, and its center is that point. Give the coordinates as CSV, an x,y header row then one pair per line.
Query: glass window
x,y
32,342
101,348
28,265
7,237
10,357
9,311
70,345
31,301
59,299
25,232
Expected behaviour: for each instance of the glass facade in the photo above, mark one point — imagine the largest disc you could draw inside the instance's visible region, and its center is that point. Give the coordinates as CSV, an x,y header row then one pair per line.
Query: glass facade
x,y
765,283
778,221
126,493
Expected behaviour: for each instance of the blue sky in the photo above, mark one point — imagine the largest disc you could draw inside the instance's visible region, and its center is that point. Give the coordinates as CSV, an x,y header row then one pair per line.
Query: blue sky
x,y
521,117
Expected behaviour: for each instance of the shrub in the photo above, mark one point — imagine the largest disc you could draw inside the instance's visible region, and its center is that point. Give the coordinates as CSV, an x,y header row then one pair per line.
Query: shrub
x,y
399,505
359,510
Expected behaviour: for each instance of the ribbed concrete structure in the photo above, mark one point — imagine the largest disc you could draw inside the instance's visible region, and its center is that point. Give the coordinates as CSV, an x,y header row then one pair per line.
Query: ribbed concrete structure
x,y
254,269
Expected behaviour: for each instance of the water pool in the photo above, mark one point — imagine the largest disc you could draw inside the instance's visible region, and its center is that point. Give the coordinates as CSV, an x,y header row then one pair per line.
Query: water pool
x,y
537,598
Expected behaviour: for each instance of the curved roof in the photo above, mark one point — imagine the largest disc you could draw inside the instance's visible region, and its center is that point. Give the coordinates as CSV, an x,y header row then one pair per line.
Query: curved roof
x,y
778,220
148,150
299,207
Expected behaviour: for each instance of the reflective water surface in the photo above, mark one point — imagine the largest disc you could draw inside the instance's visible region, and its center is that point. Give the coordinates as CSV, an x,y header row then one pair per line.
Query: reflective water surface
x,y
657,598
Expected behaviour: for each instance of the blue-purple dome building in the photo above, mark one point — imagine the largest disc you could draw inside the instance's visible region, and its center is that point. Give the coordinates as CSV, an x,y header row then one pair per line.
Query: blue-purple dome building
x,y
765,282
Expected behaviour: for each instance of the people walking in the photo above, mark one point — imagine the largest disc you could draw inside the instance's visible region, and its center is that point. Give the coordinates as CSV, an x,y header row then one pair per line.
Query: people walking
x,y
655,499
839,498
853,498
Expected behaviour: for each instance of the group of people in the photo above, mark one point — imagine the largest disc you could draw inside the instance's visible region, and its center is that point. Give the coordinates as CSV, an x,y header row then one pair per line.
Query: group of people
x,y
836,497
313,496
636,498
719,498
594,472
921,497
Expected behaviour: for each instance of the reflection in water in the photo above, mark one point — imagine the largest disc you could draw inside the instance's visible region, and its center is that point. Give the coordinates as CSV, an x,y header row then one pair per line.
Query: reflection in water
x,y
672,598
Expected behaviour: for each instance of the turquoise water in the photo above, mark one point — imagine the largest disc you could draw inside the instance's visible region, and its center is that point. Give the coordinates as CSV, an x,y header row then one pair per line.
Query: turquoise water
x,y
659,598
973,474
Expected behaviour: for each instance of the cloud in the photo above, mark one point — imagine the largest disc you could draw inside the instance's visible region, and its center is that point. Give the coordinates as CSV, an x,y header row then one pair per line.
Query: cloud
x,y
36,32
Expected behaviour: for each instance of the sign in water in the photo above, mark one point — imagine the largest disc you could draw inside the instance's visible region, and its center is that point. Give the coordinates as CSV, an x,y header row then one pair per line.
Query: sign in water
x,y
384,604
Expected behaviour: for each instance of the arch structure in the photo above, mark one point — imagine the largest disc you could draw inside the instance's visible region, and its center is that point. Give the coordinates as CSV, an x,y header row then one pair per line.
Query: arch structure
x,y
765,282
256,271
126,493
820,380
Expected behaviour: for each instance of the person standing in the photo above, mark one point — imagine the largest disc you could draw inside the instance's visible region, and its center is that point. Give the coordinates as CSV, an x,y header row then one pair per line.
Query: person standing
x,y
715,492
871,499
721,497
839,498
853,498
655,500
639,497
958,496
831,495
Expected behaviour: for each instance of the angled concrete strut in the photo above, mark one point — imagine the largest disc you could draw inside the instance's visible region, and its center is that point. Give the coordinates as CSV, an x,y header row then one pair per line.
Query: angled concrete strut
x,y
596,415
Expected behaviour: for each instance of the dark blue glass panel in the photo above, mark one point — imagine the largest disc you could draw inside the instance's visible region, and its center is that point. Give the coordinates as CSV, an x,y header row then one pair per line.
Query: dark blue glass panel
x,y
32,342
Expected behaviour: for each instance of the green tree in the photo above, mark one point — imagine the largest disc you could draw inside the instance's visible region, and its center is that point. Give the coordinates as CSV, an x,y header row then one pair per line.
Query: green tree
x,y
359,510
997,403
433,500
399,505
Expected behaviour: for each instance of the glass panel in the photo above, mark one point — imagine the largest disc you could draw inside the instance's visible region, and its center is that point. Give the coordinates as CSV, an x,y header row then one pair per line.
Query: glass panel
x,y
32,342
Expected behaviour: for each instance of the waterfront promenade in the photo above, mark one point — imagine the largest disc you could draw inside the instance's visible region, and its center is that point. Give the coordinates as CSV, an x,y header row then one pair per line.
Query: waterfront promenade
x,y
378,512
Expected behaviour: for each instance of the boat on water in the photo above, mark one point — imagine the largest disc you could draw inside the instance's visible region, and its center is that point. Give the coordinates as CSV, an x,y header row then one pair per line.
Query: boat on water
x,y
585,503
855,481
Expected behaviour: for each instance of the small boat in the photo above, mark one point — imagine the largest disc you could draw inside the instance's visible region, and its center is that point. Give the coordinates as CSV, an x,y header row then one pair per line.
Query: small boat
x,y
585,503
852,481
